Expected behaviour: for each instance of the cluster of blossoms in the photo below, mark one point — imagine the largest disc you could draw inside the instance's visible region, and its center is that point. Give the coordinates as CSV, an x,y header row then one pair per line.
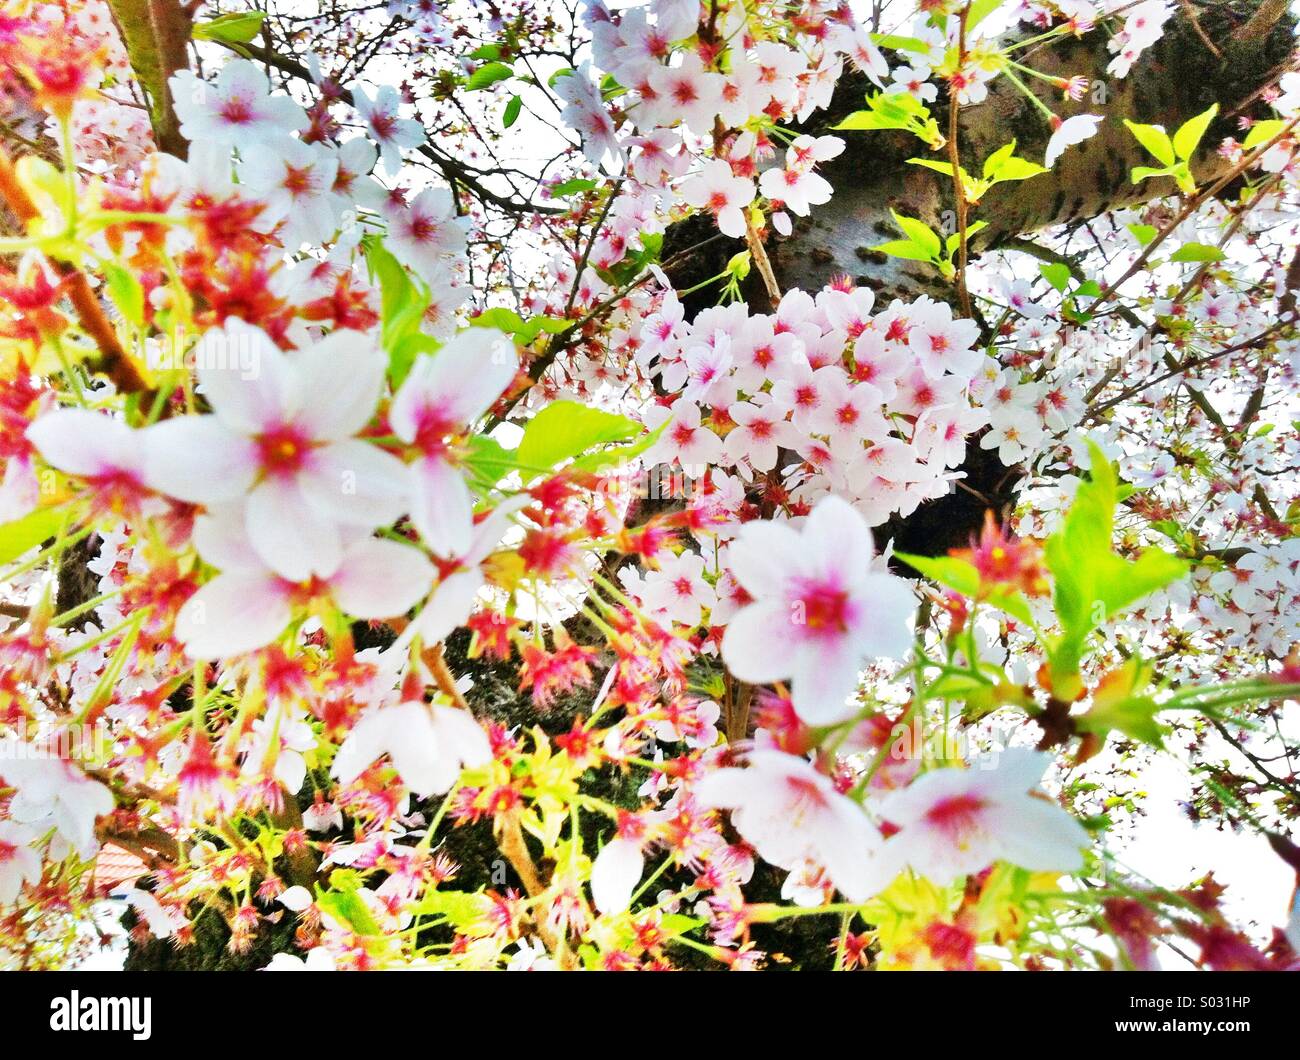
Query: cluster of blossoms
x,y
344,631
874,407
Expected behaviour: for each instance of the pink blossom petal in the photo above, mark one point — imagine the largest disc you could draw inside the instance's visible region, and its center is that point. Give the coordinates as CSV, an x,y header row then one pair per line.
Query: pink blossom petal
x,y
289,533
380,579
245,378
441,507
355,483
339,379
82,442
759,645
198,459
234,613
615,873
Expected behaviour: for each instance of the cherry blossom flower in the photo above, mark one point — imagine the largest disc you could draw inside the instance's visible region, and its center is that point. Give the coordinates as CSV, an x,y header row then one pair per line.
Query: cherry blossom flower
x,y
248,604
683,439
954,822
453,598
913,81
792,814
426,233
688,93
942,343
53,794
19,863
442,396
723,194
237,111
795,188
586,112
283,438
296,184
391,132
761,430
428,743
1072,131
818,612
678,589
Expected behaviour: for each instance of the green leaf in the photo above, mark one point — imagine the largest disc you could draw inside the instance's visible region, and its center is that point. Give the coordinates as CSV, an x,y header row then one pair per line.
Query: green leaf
x,y
486,51
918,232
125,290
402,303
903,248
930,163
963,577
620,454
238,27
347,907
951,243
564,429
1141,173
1189,134
26,533
572,187
512,110
900,43
1091,582
1117,703
488,75
1155,140
1057,274
979,11
1196,252
1143,233
1262,132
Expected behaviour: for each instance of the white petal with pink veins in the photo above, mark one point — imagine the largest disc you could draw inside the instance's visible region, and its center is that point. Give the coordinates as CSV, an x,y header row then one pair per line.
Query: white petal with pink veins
x,y
290,534
245,378
413,746
449,606
198,459
356,483
843,541
339,379
232,614
759,645
222,540
615,873
441,507
763,557
462,735
824,677
885,630
87,443
471,371
380,579
367,741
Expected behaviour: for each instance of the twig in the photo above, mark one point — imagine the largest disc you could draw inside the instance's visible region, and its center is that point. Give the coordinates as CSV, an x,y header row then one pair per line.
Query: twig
x,y
116,364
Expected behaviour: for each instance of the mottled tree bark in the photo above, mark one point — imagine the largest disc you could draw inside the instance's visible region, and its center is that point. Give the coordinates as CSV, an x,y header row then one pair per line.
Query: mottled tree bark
x,y
1174,80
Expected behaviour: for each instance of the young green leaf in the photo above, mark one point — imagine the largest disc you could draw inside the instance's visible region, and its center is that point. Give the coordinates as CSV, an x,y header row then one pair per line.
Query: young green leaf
x,y
1190,133
1155,140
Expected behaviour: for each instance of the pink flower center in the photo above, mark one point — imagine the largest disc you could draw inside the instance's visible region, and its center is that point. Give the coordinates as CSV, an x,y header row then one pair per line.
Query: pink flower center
x,y
957,815
283,450
236,111
826,609
297,180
